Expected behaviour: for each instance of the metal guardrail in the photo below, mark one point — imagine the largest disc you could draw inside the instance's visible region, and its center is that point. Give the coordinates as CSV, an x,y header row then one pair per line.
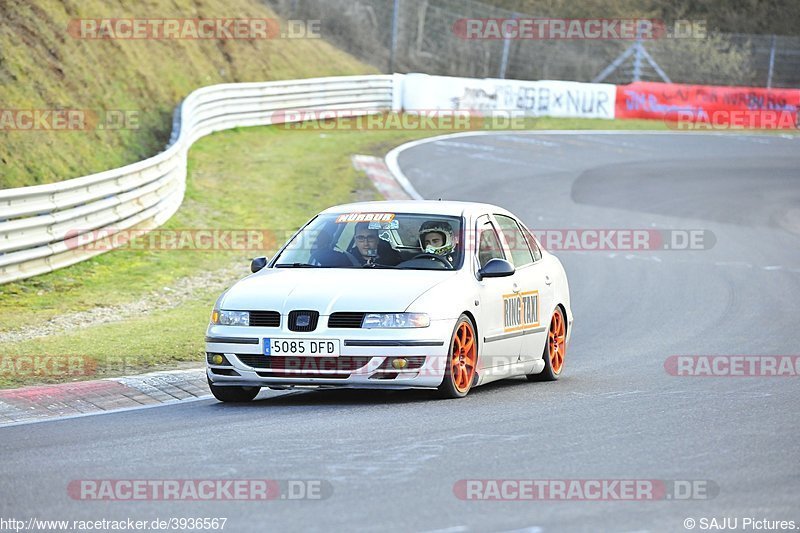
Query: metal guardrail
x,y
40,225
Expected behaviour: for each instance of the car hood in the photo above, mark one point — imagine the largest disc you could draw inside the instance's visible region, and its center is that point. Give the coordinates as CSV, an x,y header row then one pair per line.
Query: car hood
x,y
330,290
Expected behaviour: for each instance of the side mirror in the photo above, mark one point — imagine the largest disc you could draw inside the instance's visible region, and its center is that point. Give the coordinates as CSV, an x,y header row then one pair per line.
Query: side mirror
x,y
257,264
496,268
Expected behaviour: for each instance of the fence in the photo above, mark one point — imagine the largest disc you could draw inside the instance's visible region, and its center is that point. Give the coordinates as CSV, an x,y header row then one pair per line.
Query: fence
x,y
425,42
37,223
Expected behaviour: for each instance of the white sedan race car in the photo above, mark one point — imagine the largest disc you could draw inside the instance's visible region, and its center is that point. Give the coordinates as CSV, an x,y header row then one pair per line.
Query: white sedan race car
x,y
394,295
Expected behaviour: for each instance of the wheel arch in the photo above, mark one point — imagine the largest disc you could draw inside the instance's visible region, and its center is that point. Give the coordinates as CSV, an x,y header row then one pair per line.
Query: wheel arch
x,y
476,379
475,327
563,308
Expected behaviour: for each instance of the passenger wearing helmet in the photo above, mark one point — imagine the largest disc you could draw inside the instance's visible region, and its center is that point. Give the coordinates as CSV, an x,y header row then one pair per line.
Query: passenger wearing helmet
x,y
437,237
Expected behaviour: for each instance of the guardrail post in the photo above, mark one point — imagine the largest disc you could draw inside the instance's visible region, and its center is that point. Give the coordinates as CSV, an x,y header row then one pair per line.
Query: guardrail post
x,y
771,63
506,47
395,16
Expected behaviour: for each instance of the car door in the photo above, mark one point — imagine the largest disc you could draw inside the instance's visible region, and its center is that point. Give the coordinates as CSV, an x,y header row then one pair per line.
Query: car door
x,y
501,339
535,287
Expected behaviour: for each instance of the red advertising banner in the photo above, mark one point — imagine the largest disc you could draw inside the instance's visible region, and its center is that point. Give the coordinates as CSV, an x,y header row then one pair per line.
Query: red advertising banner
x,y
709,107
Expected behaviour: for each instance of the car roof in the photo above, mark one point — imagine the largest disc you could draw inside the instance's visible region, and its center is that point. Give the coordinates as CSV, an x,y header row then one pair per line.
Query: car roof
x,y
434,207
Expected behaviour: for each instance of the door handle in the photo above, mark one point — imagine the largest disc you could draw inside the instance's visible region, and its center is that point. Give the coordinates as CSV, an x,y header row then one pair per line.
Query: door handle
x,y
547,280
515,288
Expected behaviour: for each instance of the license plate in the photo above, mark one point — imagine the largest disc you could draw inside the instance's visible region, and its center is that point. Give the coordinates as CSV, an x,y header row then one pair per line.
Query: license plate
x,y
301,347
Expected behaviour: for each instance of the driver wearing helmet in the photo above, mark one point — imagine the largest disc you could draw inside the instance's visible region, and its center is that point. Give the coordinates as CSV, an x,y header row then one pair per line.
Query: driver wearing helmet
x,y
437,237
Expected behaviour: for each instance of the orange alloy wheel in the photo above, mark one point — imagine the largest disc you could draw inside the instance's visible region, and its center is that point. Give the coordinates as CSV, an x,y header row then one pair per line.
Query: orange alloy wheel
x,y
557,340
464,356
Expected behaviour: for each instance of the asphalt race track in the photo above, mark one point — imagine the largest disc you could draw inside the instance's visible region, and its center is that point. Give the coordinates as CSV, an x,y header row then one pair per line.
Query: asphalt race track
x,y
393,458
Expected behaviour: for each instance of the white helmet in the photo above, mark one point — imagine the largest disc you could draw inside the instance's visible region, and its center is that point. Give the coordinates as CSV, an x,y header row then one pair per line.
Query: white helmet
x,y
435,226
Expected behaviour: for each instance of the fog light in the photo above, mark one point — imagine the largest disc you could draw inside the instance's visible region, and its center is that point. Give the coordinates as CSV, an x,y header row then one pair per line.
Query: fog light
x,y
399,363
217,359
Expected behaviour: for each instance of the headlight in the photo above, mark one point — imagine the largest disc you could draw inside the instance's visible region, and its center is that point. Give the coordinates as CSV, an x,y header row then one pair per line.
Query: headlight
x,y
396,320
230,318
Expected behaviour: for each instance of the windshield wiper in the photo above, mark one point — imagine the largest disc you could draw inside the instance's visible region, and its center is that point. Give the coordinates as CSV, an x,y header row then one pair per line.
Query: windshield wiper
x,y
297,265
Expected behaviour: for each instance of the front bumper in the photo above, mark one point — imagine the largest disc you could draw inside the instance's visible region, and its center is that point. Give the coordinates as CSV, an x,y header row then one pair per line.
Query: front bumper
x,y
364,361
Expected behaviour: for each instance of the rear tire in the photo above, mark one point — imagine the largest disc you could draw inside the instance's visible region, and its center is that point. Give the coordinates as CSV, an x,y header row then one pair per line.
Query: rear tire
x,y
555,349
462,360
233,394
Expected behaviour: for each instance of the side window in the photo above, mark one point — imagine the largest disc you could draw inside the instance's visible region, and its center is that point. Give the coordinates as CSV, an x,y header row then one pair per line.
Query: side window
x,y
488,245
537,253
520,252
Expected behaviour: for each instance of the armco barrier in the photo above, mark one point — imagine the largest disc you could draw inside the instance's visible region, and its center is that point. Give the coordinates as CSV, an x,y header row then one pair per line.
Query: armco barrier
x,y
35,221
547,98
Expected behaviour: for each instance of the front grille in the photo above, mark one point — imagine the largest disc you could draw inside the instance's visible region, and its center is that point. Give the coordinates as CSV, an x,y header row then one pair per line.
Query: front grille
x,y
279,374
311,318
346,320
265,319
313,364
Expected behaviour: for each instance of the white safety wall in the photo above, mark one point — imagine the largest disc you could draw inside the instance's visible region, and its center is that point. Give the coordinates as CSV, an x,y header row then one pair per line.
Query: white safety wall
x,y
546,98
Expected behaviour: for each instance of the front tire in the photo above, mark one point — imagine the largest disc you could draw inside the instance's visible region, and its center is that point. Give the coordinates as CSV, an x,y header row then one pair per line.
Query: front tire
x,y
461,361
233,394
555,349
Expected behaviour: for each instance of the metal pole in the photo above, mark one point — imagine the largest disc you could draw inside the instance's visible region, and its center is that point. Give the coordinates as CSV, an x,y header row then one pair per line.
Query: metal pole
x,y
771,63
395,16
614,65
655,66
637,58
504,59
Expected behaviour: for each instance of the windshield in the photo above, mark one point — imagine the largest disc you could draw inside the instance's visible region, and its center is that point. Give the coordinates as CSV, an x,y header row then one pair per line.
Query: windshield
x,y
376,240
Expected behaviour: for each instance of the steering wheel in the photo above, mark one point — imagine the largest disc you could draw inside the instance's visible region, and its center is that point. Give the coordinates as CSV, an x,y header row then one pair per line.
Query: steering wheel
x,y
351,257
439,258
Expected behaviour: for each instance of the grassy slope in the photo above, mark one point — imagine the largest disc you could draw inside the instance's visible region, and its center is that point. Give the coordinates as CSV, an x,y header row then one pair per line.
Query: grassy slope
x,y
42,67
